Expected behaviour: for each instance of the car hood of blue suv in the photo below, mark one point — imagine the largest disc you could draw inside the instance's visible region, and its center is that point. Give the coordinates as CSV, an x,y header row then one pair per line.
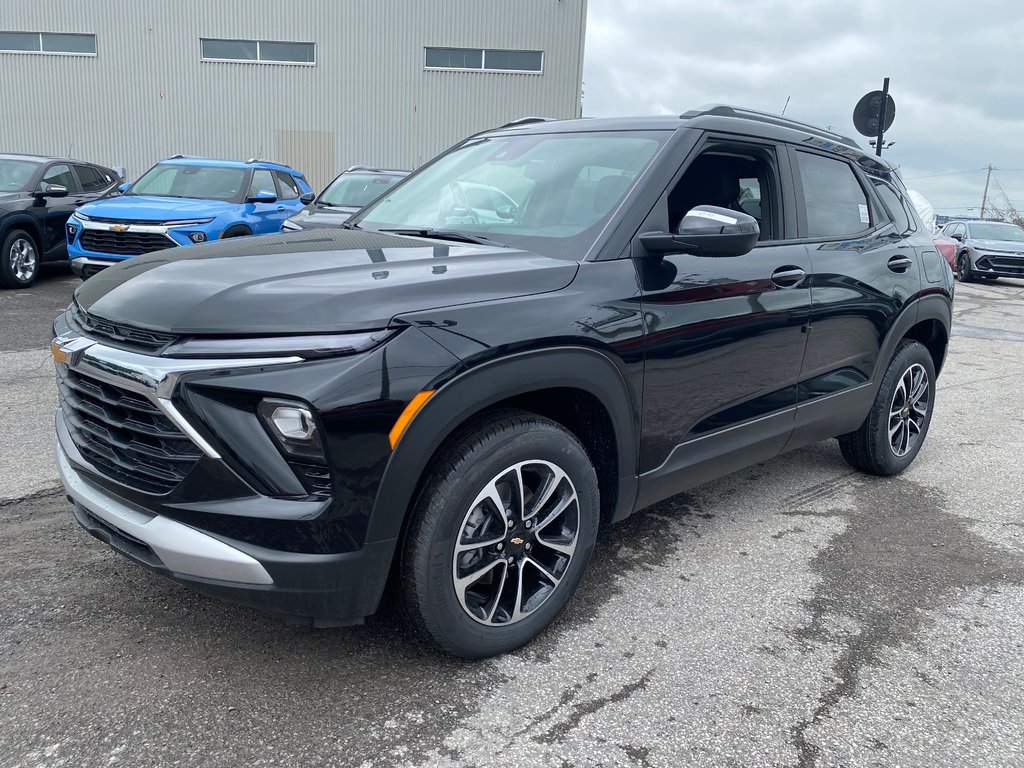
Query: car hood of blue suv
x,y
152,208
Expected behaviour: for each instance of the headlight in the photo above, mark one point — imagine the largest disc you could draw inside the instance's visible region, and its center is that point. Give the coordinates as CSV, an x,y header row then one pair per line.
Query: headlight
x,y
187,222
305,346
80,216
290,226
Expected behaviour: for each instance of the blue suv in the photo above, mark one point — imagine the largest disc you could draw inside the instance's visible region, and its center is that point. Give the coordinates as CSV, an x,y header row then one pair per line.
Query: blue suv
x,y
181,201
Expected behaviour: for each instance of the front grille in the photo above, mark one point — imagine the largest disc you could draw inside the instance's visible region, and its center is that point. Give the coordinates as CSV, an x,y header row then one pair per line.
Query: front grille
x,y
1008,263
120,334
123,243
123,434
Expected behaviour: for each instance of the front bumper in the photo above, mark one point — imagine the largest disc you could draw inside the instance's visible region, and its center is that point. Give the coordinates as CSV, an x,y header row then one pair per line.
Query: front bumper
x,y
318,590
999,264
85,266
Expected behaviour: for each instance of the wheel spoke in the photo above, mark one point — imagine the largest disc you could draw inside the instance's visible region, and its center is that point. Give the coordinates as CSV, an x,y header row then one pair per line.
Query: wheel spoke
x,y
462,583
565,548
552,484
894,429
492,495
517,503
497,594
548,574
517,610
555,513
465,546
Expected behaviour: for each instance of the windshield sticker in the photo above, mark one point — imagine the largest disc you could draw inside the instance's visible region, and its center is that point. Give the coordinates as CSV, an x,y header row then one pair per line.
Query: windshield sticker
x,y
713,216
864,218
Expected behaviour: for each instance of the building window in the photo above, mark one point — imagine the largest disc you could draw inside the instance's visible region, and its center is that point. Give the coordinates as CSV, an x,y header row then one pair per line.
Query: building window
x,y
48,42
485,59
258,51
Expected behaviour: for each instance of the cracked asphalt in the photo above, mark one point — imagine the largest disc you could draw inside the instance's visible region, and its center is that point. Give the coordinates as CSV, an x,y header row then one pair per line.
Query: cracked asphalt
x,y
793,614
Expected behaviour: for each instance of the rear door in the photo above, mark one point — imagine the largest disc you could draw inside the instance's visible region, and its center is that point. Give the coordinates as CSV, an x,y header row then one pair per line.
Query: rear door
x,y
725,336
867,271
268,216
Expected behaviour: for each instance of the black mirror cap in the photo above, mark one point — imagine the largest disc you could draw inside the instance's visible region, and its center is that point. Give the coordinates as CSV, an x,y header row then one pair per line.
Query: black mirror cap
x,y
307,198
51,190
707,230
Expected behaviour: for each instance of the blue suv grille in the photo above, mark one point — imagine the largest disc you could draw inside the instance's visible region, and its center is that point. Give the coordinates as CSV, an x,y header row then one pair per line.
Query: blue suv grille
x,y
123,243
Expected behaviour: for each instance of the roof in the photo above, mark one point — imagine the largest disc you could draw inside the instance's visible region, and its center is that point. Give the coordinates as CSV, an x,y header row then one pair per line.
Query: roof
x,y
223,163
714,117
34,158
371,169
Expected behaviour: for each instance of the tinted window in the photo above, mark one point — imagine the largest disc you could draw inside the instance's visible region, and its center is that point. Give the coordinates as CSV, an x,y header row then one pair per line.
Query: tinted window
x,y
518,61
92,180
19,41
261,179
354,190
15,175
287,189
196,181
61,174
53,43
234,50
894,203
836,203
996,231
302,53
455,58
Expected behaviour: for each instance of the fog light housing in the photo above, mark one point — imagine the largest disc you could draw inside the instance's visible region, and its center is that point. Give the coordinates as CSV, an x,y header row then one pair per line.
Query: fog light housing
x,y
72,231
293,427
197,237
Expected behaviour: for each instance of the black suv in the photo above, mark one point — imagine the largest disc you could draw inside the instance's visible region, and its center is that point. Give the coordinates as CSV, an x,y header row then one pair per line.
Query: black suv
x,y
459,403
37,195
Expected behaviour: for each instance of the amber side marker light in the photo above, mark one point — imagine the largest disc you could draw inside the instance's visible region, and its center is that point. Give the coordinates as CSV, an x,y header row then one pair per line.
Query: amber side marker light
x,y
59,354
410,410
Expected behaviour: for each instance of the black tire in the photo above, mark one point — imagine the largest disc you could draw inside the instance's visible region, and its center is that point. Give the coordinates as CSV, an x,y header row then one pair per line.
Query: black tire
x,y
451,504
992,278
963,268
15,270
873,448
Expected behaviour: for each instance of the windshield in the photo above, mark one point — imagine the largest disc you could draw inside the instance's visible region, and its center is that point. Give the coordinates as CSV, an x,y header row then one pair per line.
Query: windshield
x,y
997,232
548,193
203,182
15,175
354,190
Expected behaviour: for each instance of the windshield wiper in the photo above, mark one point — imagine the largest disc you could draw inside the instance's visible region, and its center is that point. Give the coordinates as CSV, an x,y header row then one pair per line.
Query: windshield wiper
x,y
446,234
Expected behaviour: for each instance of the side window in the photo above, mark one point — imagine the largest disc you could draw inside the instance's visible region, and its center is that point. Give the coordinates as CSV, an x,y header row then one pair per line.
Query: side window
x,y
261,179
742,179
836,203
287,189
894,204
61,174
92,180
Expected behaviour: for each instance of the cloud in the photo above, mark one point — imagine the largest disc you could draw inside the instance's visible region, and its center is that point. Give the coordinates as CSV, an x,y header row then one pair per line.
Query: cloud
x,y
955,75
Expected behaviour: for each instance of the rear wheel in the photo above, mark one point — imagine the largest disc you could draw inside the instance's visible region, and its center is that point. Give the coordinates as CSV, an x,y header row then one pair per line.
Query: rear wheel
x,y
19,260
963,268
500,536
892,435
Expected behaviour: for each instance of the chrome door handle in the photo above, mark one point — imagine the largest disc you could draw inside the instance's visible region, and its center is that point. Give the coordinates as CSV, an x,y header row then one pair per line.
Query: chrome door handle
x,y
788,276
899,263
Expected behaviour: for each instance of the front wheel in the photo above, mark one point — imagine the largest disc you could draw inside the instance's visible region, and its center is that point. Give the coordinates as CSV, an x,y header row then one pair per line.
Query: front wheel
x,y
963,268
500,536
19,260
895,428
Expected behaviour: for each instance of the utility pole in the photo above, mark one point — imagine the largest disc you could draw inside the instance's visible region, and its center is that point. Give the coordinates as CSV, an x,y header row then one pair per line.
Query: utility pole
x,y
984,195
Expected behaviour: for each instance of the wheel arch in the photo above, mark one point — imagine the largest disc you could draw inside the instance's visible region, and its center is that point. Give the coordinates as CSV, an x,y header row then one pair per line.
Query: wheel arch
x,y
24,222
236,230
930,324
541,382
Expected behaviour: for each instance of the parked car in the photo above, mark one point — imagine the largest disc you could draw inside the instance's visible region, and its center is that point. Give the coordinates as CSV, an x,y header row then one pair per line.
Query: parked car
x,y
183,201
350,191
292,424
37,195
947,249
988,249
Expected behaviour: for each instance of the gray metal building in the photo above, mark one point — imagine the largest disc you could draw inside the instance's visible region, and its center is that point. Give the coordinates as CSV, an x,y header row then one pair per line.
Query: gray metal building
x,y
320,85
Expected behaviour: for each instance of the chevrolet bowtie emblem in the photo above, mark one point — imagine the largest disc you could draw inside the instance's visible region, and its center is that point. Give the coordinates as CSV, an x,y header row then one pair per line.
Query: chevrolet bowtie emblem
x,y
68,351
119,227
517,541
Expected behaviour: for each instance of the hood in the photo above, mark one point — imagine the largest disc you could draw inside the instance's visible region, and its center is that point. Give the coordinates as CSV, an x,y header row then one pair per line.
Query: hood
x,y
1011,246
310,282
150,208
316,217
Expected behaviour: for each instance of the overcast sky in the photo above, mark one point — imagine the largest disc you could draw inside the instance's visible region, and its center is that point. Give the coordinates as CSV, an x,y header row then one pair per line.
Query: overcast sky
x,y
956,69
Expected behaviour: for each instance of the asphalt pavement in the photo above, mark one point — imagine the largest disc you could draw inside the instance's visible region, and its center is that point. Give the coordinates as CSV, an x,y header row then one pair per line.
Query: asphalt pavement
x,y
793,614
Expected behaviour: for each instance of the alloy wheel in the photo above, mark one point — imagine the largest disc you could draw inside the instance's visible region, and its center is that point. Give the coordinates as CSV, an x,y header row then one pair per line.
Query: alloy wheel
x,y
516,542
908,410
22,258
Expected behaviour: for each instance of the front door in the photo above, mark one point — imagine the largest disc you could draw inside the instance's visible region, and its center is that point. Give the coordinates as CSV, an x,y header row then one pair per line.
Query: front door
x,y
725,337
54,211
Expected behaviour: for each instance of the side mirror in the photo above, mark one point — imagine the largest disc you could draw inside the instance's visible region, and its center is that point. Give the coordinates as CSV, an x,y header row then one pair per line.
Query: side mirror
x,y
262,196
506,211
958,237
307,198
122,187
706,230
51,190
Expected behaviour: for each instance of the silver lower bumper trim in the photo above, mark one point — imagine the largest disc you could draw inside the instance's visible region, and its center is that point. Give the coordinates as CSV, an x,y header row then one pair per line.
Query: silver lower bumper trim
x,y
184,550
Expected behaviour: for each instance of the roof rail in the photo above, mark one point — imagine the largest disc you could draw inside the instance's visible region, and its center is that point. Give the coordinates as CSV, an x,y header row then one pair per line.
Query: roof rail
x,y
524,121
724,110
270,162
376,170
180,156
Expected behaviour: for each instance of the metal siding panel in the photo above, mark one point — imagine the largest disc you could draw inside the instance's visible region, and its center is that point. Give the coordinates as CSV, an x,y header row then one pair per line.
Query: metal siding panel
x,y
147,95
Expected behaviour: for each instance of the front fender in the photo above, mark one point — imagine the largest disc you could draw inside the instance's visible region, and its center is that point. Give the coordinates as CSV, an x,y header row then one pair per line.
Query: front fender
x,y
489,383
